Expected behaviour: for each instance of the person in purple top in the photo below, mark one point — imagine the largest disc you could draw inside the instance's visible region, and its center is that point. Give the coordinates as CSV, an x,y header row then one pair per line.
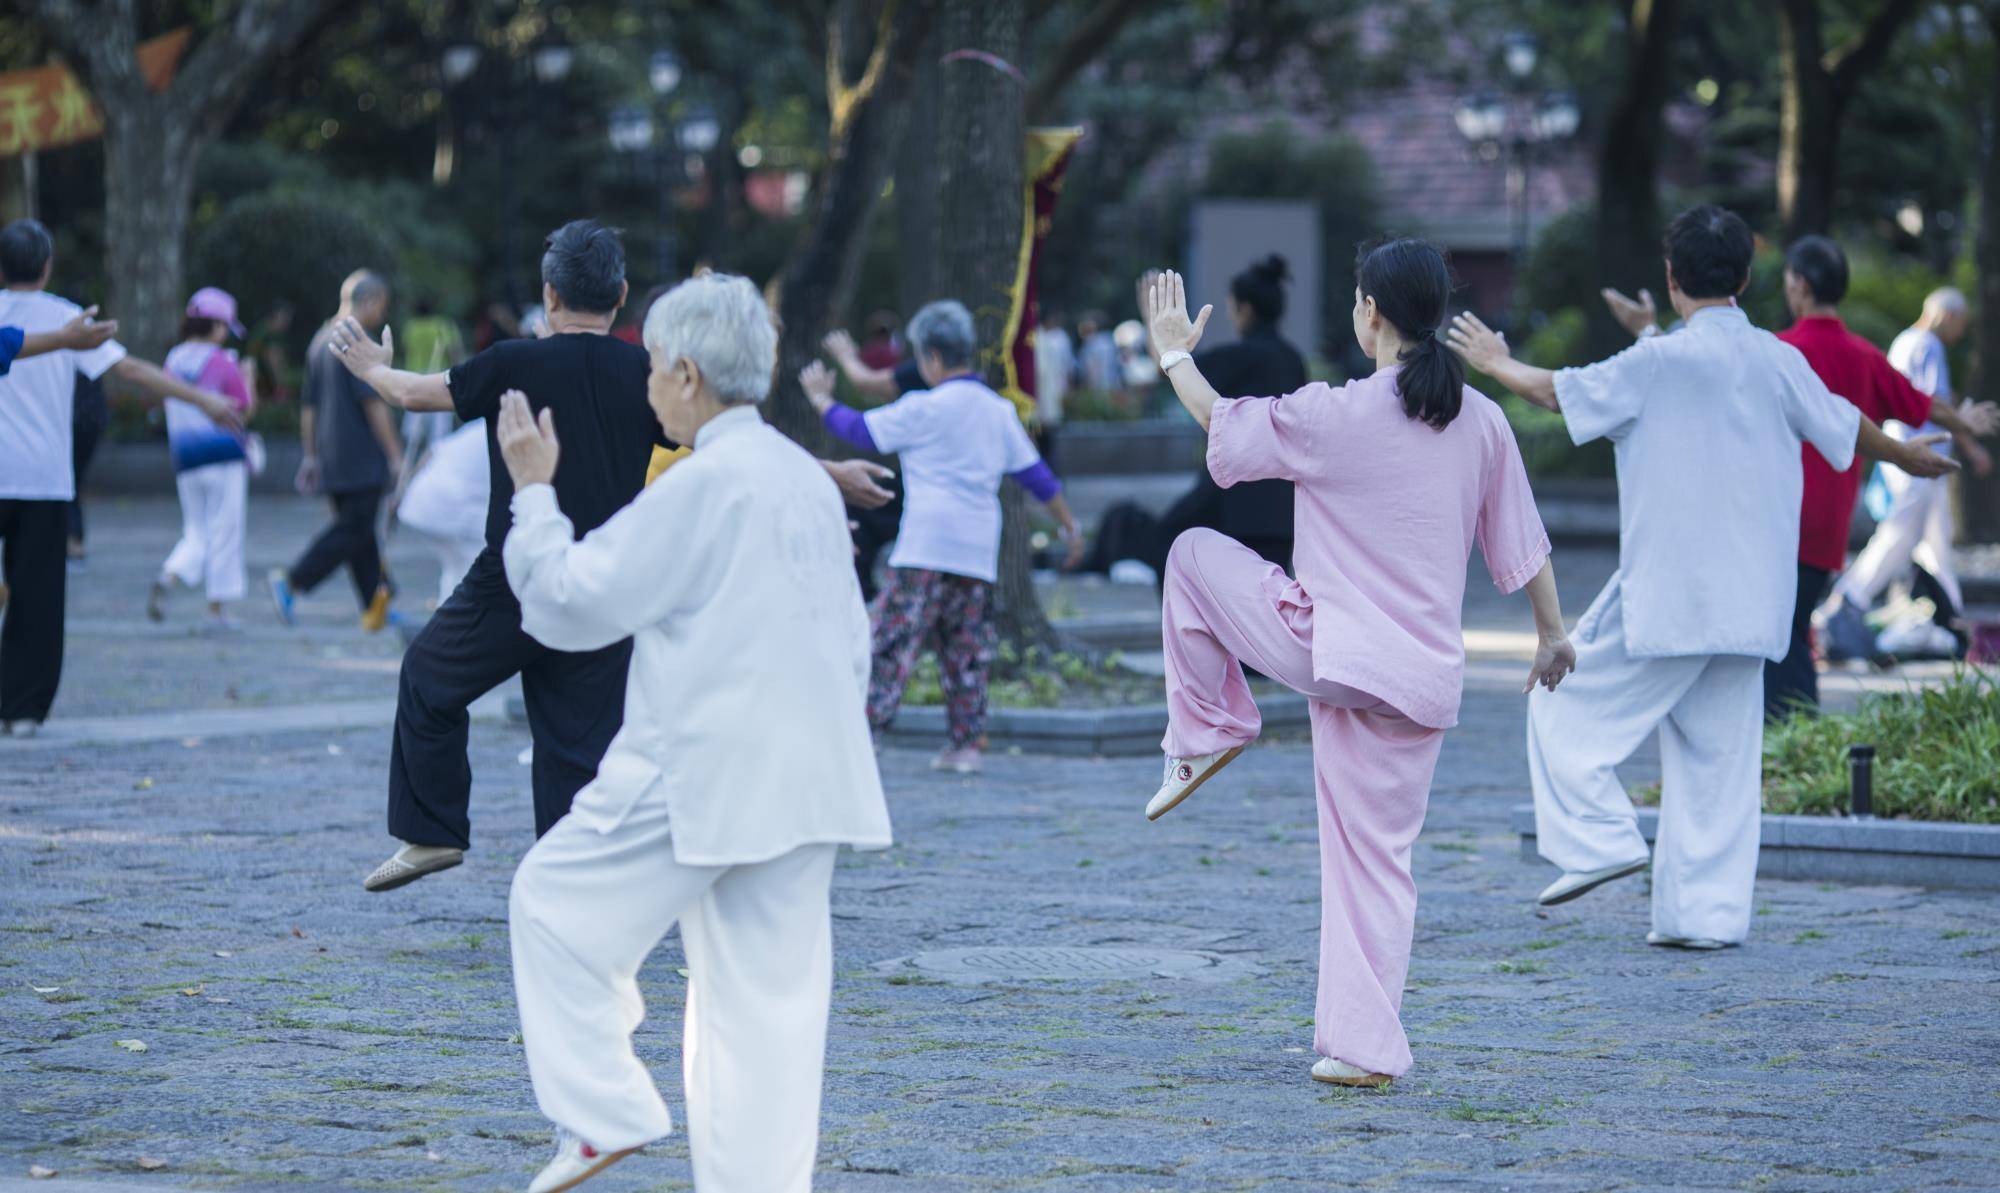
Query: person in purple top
x,y
957,440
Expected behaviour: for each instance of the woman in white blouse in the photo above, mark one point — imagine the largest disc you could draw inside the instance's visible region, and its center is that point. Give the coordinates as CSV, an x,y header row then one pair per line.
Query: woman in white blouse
x,y
743,762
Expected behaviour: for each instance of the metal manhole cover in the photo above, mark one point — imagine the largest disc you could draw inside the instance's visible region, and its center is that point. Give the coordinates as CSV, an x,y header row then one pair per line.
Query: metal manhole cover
x,y
1073,964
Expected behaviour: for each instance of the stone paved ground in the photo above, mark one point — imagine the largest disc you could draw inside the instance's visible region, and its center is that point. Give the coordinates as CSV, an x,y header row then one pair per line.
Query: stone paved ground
x,y
201,894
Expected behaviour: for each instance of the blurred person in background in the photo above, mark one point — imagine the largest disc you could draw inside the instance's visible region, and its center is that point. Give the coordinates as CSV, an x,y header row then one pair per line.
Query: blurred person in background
x,y
1097,355
1055,368
881,347
211,463
38,469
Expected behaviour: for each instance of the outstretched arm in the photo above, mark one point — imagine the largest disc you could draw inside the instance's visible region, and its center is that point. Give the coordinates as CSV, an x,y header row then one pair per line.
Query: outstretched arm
x,y
1163,307
1911,455
1967,425
369,361
1486,350
156,382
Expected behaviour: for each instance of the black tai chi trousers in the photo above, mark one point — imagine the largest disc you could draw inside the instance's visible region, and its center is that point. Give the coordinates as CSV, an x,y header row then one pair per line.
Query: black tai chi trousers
x,y
34,563
1791,685
474,643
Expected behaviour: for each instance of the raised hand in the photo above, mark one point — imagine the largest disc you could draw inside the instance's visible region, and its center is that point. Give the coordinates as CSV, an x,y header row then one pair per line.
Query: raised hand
x,y
817,380
84,332
841,345
1982,418
1554,658
1167,324
1916,457
529,448
1633,316
1482,347
350,343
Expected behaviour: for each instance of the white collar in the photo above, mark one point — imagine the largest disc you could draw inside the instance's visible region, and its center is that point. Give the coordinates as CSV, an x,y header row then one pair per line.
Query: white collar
x,y
729,422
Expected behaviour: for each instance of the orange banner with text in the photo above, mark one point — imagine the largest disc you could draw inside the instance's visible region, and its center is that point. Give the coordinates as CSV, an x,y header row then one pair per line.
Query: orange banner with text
x,y
47,107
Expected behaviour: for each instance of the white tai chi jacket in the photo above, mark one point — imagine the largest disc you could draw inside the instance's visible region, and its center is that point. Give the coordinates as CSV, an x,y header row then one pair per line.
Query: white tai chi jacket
x,y
1707,421
734,578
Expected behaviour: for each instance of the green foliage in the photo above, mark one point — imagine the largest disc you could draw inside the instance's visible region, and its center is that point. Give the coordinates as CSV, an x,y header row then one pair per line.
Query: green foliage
x,y
1935,753
273,248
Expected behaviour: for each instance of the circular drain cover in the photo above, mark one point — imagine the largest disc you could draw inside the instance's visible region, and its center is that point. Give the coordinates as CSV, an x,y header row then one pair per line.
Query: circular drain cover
x,y
1098,964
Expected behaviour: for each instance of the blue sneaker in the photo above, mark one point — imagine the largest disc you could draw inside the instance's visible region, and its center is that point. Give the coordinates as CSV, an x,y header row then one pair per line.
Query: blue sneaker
x,y
281,596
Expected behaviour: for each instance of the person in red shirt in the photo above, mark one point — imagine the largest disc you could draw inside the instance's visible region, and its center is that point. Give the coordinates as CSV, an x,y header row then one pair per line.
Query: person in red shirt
x,y
1815,281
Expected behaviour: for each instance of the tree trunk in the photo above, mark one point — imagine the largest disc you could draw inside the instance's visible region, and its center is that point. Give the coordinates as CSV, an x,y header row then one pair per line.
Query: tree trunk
x,y
1628,204
149,168
917,188
1982,494
866,121
1807,127
981,151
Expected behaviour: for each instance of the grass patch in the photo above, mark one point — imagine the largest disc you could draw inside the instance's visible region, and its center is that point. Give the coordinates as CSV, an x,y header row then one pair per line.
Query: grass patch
x,y
1809,934
1520,967
1472,1112
1934,752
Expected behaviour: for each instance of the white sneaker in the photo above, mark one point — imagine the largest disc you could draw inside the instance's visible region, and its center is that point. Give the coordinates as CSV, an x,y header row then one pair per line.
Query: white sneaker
x,y
575,1162
1574,885
410,863
1701,943
965,760
1339,1072
1183,776
20,728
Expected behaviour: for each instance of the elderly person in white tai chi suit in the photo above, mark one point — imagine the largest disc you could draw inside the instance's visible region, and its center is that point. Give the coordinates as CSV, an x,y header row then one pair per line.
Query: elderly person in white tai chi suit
x,y
743,762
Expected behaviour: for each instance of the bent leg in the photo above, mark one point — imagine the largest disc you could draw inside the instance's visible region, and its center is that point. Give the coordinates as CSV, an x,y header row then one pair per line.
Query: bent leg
x,y
1711,767
760,978
1224,607
1372,774
967,640
585,910
1889,549
469,647
903,617
188,561
1580,732
576,705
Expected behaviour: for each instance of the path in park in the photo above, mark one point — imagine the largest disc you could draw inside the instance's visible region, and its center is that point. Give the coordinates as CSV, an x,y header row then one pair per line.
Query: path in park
x,y
193,883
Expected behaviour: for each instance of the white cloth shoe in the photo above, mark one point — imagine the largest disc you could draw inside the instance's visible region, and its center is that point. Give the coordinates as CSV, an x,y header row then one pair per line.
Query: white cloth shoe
x,y
410,863
1701,943
1183,776
964,760
1577,884
1339,1072
575,1162
20,728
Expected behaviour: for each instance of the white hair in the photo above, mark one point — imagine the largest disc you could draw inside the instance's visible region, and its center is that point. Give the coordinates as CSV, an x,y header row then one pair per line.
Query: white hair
x,y
1945,300
718,321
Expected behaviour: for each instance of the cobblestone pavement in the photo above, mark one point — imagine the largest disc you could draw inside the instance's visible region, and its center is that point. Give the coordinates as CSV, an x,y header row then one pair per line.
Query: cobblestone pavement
x,y
201,894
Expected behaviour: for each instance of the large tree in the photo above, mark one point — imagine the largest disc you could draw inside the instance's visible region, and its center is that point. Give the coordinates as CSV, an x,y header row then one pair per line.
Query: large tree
x,y
1819,84
1982,495
870,50
153,140
1628,163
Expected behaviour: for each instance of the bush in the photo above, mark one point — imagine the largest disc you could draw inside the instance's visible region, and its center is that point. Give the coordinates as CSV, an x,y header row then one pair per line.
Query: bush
x,y
273,248
1935,752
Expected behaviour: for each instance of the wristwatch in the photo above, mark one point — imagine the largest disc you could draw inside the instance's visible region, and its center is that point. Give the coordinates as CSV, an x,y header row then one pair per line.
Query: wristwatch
x,y
1169,359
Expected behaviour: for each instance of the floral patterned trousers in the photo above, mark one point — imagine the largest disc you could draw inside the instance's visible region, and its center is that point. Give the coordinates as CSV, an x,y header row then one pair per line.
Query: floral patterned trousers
x,y
951,615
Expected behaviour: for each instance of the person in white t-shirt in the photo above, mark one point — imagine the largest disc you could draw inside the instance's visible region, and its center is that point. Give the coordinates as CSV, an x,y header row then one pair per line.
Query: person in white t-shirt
x,y
37,479
958,439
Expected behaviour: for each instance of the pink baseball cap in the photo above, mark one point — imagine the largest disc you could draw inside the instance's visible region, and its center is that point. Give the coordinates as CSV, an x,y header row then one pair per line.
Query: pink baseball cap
x,y
219,305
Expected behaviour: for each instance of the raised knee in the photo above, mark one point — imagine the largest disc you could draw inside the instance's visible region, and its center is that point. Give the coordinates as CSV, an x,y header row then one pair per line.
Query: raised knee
x,y
1183,555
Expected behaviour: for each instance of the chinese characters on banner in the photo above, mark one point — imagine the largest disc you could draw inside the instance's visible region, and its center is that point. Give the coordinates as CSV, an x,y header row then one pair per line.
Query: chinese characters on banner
x,y
46,108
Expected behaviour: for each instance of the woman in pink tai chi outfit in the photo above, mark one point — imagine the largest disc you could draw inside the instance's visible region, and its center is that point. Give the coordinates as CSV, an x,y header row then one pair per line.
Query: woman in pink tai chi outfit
x,y
1397,475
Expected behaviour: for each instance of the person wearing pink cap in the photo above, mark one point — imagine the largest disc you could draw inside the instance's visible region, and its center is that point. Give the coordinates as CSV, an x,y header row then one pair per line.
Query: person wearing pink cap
x,y
211,462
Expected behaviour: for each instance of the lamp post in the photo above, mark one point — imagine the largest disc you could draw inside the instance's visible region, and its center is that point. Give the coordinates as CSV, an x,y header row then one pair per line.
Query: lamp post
x,y
546,65
663,75
1517,124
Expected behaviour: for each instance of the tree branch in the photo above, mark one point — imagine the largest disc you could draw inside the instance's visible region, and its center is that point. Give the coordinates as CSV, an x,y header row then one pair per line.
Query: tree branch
x,y
1078,50
1847,63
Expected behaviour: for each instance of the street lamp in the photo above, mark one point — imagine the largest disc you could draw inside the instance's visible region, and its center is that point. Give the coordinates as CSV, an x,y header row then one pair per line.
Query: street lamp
x,y
700,130
663,73
1518,123
630,129
458,63
552,62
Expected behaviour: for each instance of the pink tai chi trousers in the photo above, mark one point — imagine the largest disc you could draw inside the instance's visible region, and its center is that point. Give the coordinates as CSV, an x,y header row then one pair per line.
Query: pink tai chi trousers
x,y
1226,608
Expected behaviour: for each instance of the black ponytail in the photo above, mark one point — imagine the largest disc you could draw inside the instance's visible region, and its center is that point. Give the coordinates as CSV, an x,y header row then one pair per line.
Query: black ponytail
x,y
1411,286
1261,288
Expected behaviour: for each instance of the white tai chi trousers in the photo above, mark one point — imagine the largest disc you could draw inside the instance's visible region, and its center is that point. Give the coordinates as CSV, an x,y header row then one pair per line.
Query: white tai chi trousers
x,y
1709,711
586,909
455,557
1918,528
214,507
